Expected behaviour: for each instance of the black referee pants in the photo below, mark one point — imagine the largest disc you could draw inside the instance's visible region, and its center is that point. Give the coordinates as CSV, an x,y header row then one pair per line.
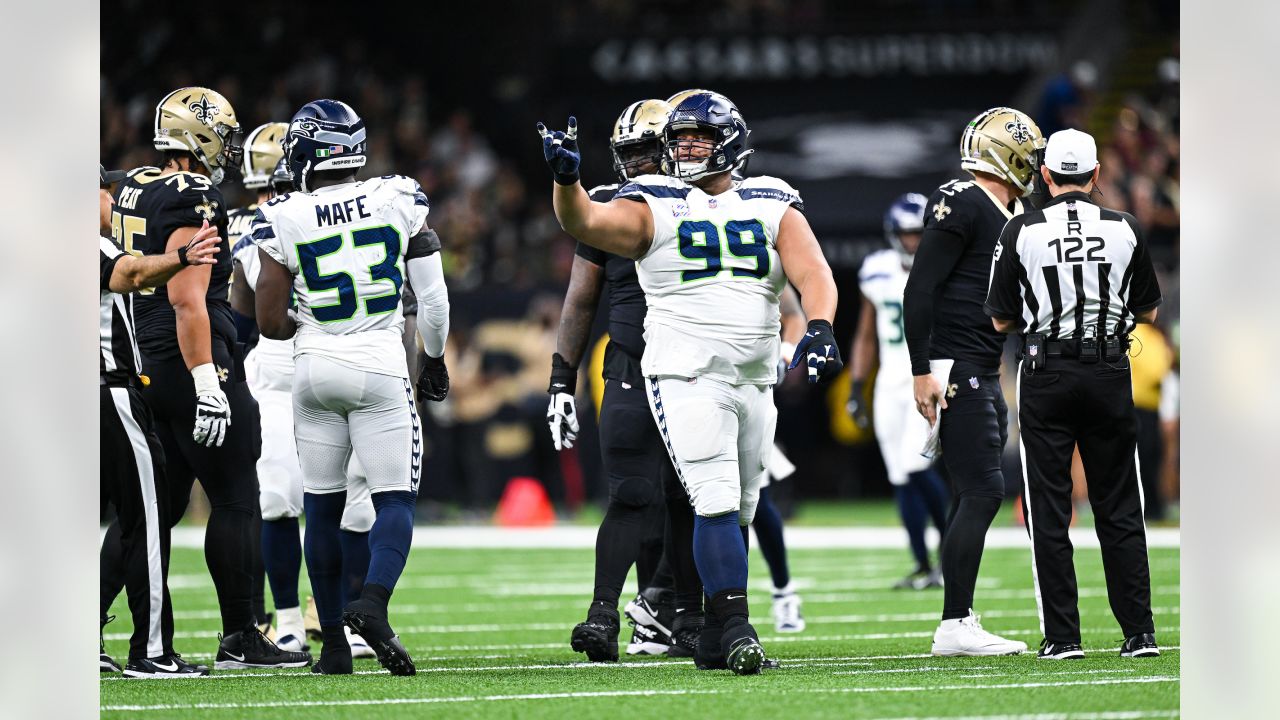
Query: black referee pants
x,y
1064,404
132,478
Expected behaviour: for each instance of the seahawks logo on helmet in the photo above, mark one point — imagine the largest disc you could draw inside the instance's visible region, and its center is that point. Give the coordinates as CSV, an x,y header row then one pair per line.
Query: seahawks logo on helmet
x,y
1018,131
204,110
305,128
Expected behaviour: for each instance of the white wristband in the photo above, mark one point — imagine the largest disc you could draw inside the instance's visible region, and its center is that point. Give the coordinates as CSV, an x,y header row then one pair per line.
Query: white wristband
x,y
788,351
206,379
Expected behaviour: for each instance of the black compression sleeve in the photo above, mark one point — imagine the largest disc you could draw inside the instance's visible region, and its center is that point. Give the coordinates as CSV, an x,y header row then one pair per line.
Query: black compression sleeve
x,y
938,254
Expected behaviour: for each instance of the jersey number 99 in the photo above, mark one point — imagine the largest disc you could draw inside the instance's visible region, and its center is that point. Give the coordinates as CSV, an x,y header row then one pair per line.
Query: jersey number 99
x,y
309,255
745,239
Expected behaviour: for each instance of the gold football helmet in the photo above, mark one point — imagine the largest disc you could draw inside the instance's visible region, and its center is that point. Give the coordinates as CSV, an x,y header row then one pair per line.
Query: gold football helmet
x,y
637,136
202,122
1005,143
262,151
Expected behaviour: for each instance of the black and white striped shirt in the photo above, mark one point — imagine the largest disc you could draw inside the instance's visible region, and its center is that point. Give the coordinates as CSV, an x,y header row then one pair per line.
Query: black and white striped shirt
x,y
1072,270
118,358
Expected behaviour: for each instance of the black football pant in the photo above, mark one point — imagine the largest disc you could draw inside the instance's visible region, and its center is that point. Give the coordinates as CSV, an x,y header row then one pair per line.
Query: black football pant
x,y
228,475
634,523
132,478
974,431
1065,404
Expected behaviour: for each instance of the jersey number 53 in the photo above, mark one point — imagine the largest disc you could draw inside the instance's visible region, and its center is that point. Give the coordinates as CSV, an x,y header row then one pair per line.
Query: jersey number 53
x,y
348,301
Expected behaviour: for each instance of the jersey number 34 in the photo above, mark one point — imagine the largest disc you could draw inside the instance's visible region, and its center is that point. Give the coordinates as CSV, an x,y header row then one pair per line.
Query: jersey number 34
x,y
701,240
309,254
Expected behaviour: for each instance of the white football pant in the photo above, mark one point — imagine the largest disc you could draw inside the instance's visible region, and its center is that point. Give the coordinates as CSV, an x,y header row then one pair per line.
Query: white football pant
x,y
900,430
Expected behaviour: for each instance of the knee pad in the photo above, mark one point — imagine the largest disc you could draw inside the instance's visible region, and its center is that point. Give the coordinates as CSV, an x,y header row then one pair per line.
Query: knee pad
x,y
276,506
632,492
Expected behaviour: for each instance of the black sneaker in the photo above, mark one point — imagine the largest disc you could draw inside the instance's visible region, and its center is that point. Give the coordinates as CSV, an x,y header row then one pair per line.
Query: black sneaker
x,y
597,636
1141,645
164,667
249,649
650,618
368,621
743,652
709,655
1060,651
685,630
105,662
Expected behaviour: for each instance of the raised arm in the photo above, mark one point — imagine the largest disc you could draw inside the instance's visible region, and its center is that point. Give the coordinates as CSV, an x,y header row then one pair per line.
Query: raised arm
x,y
621,227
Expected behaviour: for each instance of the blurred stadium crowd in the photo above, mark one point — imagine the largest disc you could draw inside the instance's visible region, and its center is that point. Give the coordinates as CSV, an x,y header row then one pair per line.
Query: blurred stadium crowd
x,y
506,259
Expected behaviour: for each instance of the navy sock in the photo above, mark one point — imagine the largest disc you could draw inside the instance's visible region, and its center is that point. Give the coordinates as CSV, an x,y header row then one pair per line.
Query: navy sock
x,y
282,556
720,552
355,563
324,553
390,538
911,508
936,498
768,525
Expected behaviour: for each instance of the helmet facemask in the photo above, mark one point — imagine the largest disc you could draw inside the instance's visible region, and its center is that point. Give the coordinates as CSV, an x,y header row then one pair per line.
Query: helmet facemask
x,y
628,157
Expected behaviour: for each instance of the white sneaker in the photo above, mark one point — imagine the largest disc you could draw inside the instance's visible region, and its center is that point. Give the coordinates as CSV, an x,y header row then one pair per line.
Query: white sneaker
x,y
786,611
359,648
290,634
965,637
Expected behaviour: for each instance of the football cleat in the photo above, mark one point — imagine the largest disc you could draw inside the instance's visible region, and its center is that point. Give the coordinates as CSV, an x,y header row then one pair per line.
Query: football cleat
x,y
966,638
743,653
359,648
684,633
366,619
786,611
249,649
165,667
914,581
650,623
311,621
597,636
1141,645
1060,651
934,580
709,655
105,663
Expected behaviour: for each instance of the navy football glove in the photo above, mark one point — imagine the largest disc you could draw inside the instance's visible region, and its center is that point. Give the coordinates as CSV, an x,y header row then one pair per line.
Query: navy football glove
x,y
819,352
857,405
561,152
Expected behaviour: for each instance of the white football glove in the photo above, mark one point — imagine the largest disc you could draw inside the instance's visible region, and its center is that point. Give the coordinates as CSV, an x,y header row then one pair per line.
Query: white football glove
x,y
562,417
213,412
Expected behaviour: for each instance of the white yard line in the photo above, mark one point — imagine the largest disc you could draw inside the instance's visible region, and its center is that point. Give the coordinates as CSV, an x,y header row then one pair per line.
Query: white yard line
x,y
583,536
1110,715
739,691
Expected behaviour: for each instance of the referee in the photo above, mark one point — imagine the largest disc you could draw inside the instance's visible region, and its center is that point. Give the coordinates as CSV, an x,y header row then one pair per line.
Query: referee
x,y
132,461
1074,279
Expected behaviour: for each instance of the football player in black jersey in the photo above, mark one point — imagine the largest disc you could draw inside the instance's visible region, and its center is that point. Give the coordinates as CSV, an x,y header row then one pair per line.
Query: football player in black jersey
x,y
634,456
205,417
955,353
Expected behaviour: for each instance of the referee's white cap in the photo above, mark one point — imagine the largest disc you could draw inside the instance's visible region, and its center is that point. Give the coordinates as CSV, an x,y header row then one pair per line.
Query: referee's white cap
x,y
1071,152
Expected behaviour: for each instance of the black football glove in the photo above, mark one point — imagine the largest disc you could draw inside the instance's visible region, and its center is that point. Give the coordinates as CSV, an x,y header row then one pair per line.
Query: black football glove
x,y
857,405
819,352
561,151
433,379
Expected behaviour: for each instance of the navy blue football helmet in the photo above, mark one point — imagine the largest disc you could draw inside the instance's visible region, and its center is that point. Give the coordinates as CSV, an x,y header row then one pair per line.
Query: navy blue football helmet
x,y
323,135
281,178
728,148
905,215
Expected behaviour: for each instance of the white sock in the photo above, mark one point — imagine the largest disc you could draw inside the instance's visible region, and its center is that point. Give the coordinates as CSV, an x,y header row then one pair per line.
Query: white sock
x,y
782,592
289,616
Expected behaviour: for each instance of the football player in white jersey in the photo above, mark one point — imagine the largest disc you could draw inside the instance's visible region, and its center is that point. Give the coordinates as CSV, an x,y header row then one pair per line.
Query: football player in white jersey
x,y
901,432
269,370
710,253
342,248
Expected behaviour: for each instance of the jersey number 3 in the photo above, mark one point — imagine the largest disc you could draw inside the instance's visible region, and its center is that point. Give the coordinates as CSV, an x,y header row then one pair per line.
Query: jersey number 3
x,y
745,239
309,255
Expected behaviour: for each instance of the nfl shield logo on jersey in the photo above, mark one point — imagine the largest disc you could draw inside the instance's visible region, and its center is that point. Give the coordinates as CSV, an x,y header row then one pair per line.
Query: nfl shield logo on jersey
x,y
973,383
1033,350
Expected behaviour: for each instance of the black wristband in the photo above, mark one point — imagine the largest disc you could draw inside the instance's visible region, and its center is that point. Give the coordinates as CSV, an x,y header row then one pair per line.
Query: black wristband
x,y
566,179
821,325
182,256
564,377
432,362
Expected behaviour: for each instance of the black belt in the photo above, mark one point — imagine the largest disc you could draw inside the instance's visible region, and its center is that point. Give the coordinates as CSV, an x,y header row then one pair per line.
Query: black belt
x,y
1087,350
